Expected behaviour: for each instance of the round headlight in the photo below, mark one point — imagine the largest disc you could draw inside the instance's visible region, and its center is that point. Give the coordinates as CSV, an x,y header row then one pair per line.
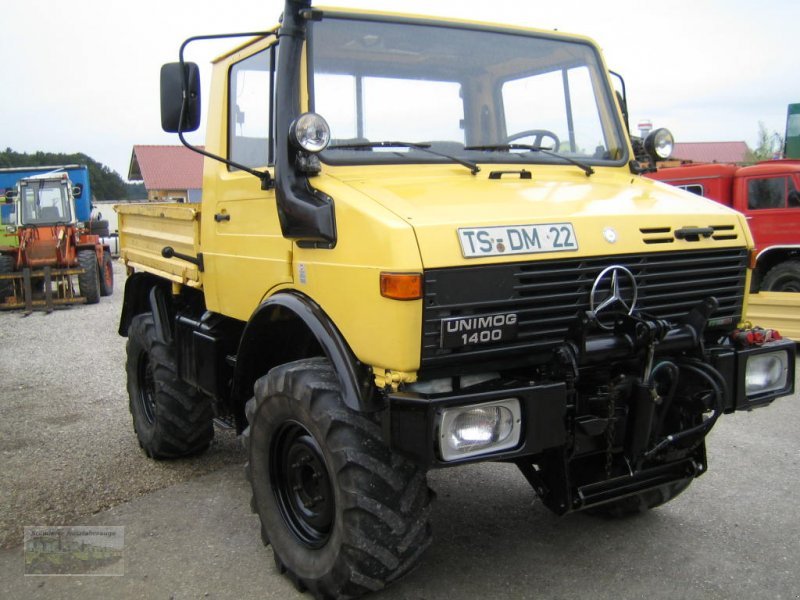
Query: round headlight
x,y
659,144
310,132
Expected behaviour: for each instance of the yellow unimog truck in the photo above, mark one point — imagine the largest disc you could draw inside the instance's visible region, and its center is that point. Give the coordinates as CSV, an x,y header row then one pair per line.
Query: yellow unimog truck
x,y
424,243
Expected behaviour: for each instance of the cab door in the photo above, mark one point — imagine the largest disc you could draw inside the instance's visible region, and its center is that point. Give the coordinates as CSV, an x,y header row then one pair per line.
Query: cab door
x,y
772,209
245,253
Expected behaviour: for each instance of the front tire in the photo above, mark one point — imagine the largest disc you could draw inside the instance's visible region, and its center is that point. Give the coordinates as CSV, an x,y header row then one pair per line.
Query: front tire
x,y
344,515
89,280
783,277
170,418
6,268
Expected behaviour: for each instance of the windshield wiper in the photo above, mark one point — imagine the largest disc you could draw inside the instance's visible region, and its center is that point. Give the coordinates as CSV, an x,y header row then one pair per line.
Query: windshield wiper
x,y
423,147
508,147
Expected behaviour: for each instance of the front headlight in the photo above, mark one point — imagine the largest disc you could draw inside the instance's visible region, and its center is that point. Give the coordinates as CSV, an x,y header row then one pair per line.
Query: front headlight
x,y
310,132
766,372
659,144
479,429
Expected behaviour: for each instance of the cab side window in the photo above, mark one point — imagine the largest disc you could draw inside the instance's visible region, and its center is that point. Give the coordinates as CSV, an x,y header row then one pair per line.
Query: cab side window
x,y
767,193
250,113
694,188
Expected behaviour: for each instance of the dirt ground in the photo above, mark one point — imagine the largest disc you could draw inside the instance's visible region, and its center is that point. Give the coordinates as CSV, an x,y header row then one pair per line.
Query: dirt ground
x,y
67,447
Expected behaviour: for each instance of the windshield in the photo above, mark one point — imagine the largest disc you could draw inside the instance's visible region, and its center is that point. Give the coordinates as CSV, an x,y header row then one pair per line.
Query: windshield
x,y
468,92
44,203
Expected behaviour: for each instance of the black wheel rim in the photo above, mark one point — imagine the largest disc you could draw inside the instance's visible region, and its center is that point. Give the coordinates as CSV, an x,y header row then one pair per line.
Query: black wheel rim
x,y
302,485
147,388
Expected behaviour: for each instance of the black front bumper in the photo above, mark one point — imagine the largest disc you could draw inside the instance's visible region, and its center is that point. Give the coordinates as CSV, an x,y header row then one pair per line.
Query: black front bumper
x,y
548,420
411,424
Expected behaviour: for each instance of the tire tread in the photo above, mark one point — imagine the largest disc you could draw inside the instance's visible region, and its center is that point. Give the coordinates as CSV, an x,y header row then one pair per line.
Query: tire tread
x,y
184,424
386,500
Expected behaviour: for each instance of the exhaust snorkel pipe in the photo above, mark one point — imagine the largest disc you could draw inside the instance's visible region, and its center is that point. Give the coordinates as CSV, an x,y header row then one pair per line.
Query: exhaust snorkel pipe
x,y
306,215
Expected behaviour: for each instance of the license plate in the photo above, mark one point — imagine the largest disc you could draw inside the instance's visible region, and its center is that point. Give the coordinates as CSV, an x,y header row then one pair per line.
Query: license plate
x,y
478,329
517,239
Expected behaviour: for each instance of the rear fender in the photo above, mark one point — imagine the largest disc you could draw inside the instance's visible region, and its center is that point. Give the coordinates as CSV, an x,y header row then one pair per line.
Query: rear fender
x,y
146,293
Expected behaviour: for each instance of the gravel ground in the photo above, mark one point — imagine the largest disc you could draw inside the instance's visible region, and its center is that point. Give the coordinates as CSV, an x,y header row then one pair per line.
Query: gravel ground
x,y
67,446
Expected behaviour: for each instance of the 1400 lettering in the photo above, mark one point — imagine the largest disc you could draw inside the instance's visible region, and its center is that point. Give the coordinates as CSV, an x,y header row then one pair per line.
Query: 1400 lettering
x,y
482,329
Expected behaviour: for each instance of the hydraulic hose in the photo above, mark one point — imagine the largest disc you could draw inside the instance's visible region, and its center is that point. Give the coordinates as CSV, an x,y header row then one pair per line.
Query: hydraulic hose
x,y
702,371
674,374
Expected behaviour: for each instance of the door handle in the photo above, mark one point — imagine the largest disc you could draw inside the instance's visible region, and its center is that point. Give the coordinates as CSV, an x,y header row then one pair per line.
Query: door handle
x,y
219,217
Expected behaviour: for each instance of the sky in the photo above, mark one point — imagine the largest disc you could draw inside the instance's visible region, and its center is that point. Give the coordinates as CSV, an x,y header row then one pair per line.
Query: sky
x,y
83,76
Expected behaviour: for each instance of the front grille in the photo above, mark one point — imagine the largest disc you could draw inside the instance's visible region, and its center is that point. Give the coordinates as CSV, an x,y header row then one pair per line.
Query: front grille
x,y
548,296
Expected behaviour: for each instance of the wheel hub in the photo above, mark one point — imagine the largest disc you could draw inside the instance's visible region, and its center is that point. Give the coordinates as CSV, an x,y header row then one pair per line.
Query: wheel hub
x,y
147,388
302,485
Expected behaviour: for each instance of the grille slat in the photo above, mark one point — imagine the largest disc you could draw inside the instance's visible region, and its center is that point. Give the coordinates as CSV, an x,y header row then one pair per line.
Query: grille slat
x,y
548,295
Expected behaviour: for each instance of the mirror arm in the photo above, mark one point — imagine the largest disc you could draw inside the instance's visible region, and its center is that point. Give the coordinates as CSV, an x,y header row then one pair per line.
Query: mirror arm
x,y
267,182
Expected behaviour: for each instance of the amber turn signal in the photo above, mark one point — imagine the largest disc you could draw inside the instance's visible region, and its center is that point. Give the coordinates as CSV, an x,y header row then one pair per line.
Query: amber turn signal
x,y
401,286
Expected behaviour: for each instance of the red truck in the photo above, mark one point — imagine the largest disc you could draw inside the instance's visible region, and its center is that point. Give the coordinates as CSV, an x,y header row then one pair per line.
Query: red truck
x,y
768,193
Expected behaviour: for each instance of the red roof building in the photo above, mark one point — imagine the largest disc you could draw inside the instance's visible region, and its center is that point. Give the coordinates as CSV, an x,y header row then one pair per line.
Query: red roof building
x,y
711,152
170,173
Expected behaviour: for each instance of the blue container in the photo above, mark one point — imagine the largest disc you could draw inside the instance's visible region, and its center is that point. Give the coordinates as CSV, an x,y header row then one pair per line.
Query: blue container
x,y
78,175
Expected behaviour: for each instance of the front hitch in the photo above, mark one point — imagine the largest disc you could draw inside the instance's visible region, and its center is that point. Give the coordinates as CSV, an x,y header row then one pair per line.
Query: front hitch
x,y
634,333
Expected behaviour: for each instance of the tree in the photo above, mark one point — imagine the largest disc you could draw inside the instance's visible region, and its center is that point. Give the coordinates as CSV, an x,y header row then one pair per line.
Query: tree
x,y
106,184
770,144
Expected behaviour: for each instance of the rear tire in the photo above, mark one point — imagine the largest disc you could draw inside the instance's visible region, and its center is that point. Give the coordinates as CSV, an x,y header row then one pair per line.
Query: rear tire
x,y
170,418
640,503
107,275
89,280
783,277
345,516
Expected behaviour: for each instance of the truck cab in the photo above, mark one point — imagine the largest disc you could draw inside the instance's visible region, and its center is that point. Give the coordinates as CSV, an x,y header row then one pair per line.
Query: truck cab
x,y
46,201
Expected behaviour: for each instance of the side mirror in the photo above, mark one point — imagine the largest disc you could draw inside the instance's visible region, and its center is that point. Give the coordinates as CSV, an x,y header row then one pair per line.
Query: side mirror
x,y
77,191
10,195
180,106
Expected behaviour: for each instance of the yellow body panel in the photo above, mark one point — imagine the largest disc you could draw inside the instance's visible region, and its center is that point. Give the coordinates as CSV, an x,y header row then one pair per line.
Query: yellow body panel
x,y
776,310
437,201
145,229
396,218
246,257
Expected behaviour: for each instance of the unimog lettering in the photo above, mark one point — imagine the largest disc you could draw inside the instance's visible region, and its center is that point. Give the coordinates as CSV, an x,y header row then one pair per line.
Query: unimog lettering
x,y
460,331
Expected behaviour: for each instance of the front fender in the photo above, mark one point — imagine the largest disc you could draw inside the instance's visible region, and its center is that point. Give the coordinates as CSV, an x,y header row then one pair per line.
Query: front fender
x,y
264,345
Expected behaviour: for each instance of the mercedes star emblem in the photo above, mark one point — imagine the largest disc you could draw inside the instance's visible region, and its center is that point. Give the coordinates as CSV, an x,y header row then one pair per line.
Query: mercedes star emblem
x,y
608,292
